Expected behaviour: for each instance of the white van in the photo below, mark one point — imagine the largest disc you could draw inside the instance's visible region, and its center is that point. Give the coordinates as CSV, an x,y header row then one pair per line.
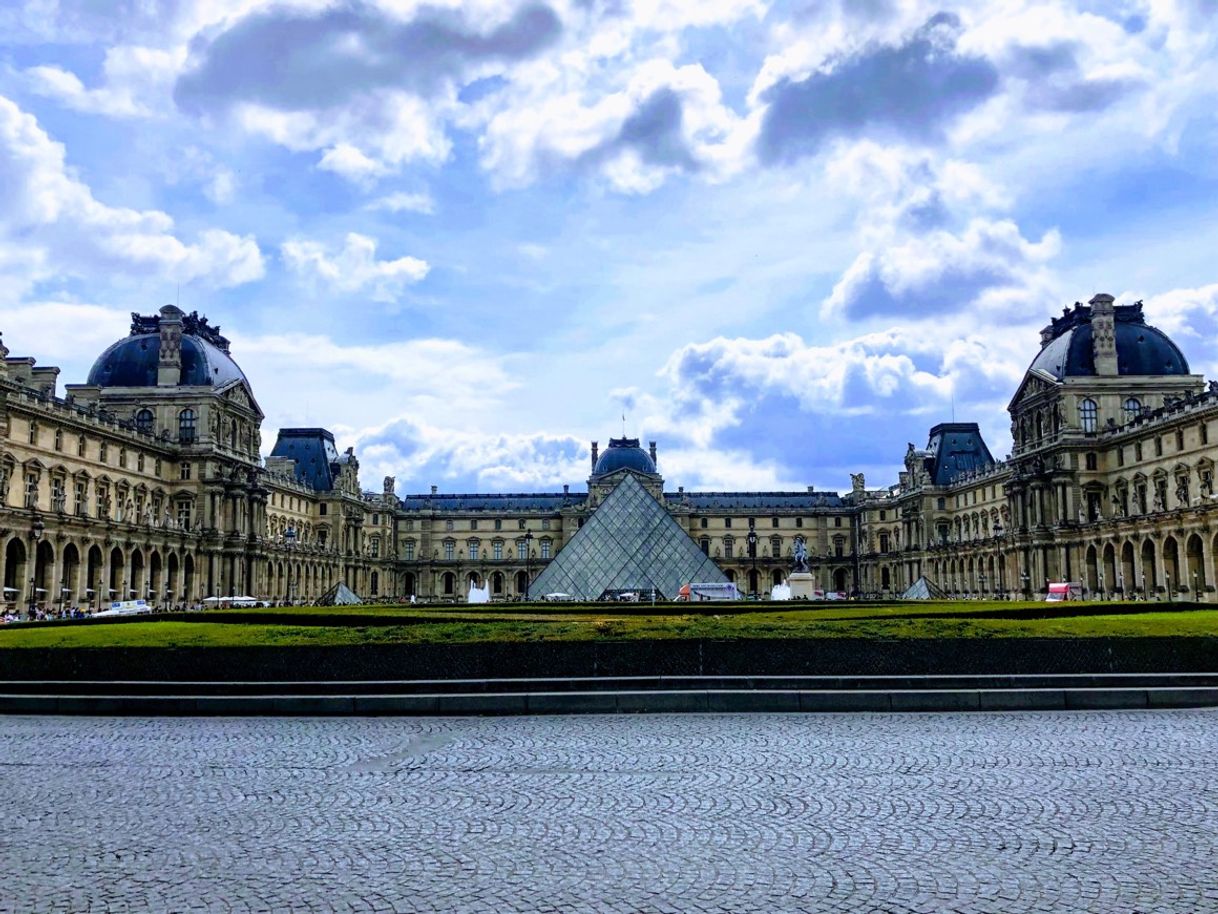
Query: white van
x,y
125,608
1064,590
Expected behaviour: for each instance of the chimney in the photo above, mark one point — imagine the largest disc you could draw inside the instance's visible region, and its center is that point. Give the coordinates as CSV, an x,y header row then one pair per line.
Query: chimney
x,y
595,452
566,489
434,489
169,362
652,450
1103,334
811,489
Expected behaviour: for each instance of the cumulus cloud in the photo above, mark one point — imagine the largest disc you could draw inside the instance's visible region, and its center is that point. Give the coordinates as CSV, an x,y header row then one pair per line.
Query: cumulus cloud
x,y
354,268
462,460
404,202
940,271
50,216
912,90
135,82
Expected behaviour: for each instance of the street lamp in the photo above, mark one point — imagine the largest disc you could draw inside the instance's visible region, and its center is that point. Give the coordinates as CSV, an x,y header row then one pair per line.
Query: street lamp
x,y
1026,580
36,536
981,583
752,541
289,540
528,564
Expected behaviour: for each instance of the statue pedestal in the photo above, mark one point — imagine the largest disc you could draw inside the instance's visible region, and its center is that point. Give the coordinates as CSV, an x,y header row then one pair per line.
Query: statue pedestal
x,y
802,584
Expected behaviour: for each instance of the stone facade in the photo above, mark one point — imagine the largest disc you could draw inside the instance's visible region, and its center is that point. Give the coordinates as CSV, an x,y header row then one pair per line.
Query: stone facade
x,y
147,482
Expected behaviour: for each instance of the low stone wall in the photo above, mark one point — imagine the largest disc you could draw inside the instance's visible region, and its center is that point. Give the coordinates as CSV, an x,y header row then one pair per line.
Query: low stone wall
x,y
761,657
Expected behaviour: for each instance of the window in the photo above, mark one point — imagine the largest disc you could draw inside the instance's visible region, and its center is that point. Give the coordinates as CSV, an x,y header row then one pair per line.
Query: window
x,y
33,432
545,549
450,549
1092,460
184,470
156,468
407,524
59,494
139,462
143,420
122,457
473,524
1158,445
31,489
799,522
323,509
232,435
497,549
1087,414
776,546
498,524
103,500
1137,450
883,542
376,520
520,524
103,452
448,525
1120,456
187,426
473,550
729,547
80,446
59,439
838,546
702,523
1204,432
705,544
376,547
156,507
883,515
942,503
184,515
545,523
727,522
82,497
522,549
1132,408
837,521
408,550
1179,439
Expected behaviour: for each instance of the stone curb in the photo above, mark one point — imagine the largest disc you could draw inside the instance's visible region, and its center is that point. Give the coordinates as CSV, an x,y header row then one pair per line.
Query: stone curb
x,y
617,702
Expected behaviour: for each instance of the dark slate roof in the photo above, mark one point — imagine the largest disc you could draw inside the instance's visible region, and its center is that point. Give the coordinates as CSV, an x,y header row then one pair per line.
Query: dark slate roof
x,y
624,454
956,448
314,452
529,501
132,362
1141,348
756,501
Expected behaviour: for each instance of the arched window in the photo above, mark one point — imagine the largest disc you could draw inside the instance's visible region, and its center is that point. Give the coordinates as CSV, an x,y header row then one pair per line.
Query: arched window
x,y
143,420
1133,408
187,426
1087,413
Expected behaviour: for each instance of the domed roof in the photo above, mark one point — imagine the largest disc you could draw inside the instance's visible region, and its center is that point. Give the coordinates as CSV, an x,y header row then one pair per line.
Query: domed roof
x,y
1141,349
624,454
132,362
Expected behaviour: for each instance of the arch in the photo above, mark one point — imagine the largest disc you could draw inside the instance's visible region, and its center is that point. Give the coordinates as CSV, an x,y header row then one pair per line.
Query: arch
x,y
1088,412
839,580
135,583
1126,582
69,576
1171,565
1150,577
114,584
731,575
1194,557
775,577
473,579
188,578
408,584
448,584
1109,579
187,426
885,579
143,420
14,569
522,583
754,580
374,583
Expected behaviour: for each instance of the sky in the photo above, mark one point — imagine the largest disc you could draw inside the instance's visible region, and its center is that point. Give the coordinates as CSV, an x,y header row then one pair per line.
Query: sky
x,y
782,240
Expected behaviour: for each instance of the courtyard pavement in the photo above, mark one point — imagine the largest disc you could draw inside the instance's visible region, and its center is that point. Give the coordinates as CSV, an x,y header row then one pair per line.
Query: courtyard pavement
x,y
1096,811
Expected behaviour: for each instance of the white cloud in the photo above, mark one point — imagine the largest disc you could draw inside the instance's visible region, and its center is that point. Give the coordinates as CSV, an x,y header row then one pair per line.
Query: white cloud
x,y
355,267
402,202
46,211
136,83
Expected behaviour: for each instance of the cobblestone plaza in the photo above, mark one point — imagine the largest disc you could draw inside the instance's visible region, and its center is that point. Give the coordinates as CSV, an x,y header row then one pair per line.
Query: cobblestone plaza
x,y
1108,812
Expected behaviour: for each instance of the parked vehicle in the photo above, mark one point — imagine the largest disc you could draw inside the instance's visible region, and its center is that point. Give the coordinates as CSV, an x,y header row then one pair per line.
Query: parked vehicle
x,y
125,608
1064,590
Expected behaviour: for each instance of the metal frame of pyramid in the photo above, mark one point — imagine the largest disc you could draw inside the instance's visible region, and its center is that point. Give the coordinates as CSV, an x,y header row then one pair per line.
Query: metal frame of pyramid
x,y
630,543
924,589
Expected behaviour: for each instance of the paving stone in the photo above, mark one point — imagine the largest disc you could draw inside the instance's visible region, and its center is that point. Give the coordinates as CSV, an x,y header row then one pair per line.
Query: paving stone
x,y
977,813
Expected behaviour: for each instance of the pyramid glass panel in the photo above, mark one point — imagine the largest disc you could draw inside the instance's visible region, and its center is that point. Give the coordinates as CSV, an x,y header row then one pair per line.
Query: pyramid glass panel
x,y
631,543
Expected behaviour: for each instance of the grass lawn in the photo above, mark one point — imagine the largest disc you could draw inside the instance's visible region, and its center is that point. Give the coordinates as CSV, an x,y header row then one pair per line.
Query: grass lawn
x,y
517,623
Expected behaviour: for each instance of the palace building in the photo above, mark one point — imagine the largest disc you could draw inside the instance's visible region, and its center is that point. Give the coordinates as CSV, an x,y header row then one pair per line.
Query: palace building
x,y
148,481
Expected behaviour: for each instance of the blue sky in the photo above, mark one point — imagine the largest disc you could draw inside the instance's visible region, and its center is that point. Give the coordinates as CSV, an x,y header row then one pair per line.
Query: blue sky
x,y
783,239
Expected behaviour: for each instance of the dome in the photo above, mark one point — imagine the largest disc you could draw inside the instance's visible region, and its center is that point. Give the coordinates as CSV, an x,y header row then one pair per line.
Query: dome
x,y
132,362
624,454
1141,349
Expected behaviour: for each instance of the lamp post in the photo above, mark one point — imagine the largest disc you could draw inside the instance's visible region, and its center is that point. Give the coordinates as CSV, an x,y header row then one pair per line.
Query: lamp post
x,y
981,583
35,536
752,541
528,565
289,540
1026,580
1100,575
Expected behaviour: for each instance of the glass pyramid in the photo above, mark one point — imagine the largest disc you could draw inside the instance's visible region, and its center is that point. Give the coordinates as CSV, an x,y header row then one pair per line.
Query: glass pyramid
x,y
629,544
